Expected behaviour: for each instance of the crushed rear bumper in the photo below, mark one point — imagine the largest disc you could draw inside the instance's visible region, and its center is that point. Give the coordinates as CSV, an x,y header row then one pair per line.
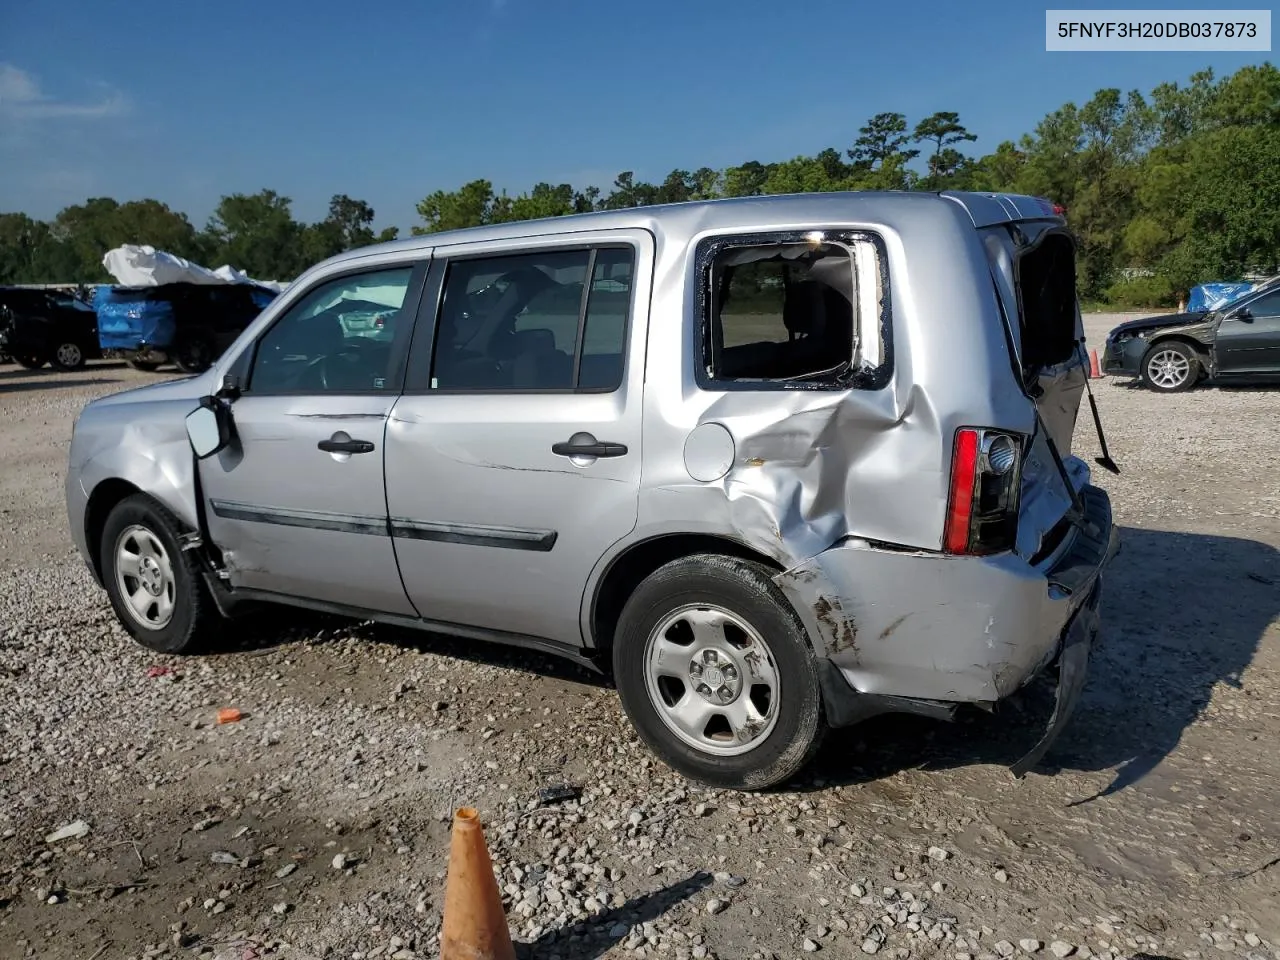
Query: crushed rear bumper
x,y
923,633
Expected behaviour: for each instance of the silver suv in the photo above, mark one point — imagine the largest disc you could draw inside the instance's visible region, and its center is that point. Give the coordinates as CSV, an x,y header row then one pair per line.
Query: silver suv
x,y
780,463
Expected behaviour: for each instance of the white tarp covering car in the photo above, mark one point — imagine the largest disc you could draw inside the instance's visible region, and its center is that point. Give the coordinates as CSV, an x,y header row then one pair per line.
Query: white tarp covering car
x,y
142,265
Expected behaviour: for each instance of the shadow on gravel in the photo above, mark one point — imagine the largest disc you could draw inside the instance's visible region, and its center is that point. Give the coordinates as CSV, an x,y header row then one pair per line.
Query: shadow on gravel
x,y
269,626
1261,386
1181,613
589,940
52,383
91,366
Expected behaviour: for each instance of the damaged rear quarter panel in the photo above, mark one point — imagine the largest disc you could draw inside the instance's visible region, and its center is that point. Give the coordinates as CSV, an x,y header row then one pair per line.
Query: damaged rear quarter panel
x,y
927,625
814,467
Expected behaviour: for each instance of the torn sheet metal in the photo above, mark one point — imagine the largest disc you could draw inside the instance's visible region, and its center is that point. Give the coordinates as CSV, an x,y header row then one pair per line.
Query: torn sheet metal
x,y
1073,666
816,467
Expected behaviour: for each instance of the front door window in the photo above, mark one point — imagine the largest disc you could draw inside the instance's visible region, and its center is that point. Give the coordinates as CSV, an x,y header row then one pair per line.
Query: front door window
x,y
336,339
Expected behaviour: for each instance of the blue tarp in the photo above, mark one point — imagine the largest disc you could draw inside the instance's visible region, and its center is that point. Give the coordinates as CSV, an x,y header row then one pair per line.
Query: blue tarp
x,y
1214,296
128,321
262,296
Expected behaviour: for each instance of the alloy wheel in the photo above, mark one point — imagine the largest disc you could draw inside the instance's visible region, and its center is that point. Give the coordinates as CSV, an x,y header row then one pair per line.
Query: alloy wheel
x,y
68,355
1168,369
712,680
144,574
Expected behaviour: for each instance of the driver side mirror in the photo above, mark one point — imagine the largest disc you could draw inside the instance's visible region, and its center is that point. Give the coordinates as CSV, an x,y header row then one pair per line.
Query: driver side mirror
x,y
1242,314
209,427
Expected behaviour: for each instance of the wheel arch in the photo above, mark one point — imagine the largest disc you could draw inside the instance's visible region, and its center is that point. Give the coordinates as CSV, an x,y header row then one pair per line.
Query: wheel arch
x,y
624,572
1202,351
103,499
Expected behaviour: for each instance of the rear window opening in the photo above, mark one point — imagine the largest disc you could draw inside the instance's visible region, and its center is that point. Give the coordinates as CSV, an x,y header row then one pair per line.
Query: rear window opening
x,y
1047,292
804,312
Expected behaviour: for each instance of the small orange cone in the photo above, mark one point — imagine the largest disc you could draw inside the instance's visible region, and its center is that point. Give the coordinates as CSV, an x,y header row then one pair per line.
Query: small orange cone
x,y
474,926
1094,370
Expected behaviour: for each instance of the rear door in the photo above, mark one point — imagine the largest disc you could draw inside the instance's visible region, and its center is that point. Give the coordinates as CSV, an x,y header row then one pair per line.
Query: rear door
x,y
1248,341
513,459
296,503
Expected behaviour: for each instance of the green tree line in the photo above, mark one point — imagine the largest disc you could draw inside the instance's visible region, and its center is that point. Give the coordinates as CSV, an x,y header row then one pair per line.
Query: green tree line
x,y
253,232
1163,190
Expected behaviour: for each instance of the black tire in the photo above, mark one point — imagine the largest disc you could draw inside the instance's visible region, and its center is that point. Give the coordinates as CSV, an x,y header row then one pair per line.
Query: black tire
x,y
32,361
146,366
1170,366
745,590
194,356
68,356
194,616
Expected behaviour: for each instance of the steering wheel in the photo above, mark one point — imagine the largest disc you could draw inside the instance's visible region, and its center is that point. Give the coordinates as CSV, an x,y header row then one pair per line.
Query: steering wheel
x,y
352,354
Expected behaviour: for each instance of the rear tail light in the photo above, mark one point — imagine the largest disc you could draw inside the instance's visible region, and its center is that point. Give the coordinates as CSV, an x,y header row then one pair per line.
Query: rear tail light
x,y
982,509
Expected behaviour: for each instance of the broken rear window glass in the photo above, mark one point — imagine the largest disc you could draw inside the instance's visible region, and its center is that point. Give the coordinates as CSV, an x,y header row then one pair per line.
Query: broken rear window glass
x,y
806,311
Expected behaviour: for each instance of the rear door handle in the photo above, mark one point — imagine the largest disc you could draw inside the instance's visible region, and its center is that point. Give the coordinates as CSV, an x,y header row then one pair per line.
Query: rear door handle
x,y
569,448
345,446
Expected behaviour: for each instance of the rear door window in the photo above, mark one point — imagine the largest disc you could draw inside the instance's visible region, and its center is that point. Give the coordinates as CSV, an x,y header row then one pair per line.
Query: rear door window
x,y
549,321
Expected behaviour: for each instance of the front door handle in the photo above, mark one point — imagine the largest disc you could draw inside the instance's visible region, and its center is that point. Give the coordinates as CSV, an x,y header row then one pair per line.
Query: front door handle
x,y
593,448
335,445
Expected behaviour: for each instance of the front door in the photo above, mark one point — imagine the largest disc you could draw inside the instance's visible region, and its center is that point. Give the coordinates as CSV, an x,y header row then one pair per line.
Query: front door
x,y
1249,345
513,459
296,503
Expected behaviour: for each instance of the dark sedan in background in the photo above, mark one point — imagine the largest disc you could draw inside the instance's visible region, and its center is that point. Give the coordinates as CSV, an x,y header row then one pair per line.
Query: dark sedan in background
x,y
39,326
1238,343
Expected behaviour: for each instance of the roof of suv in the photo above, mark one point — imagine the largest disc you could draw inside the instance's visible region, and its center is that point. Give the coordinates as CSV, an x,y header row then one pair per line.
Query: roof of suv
x,y
984,209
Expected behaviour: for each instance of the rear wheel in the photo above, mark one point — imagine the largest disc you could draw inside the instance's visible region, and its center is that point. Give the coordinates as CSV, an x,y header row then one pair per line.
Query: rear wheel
x,y
68,356
32,361
1170,366
716,674
154,586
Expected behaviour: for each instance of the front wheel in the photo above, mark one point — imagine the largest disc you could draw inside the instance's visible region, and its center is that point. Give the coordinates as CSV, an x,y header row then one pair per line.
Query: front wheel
x,y
146,366
715,672
154,586
1170,366
68,356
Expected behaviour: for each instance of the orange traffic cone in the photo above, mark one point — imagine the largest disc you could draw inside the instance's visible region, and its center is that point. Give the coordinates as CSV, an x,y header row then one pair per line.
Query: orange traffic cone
x,y
474,927
1094,370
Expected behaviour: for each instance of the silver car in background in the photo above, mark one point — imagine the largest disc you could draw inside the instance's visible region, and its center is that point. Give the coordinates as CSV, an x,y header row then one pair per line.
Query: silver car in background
x,y
778,463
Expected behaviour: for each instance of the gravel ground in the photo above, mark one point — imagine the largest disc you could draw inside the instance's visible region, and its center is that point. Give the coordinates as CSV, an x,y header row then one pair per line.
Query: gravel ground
x,y
317,826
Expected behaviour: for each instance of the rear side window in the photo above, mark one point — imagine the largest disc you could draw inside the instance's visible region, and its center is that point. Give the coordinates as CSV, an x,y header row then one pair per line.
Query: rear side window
x,y
795,311
549,321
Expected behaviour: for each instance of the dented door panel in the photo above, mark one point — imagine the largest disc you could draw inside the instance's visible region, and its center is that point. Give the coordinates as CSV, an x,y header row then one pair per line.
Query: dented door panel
x,y
293,519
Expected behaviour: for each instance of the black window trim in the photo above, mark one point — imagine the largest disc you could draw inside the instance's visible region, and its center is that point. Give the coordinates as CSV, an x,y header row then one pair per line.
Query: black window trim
x,y
1254,296
703,332
242,366
422,351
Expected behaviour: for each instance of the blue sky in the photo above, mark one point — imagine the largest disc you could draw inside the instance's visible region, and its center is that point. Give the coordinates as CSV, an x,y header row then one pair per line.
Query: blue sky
x,y
389,101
